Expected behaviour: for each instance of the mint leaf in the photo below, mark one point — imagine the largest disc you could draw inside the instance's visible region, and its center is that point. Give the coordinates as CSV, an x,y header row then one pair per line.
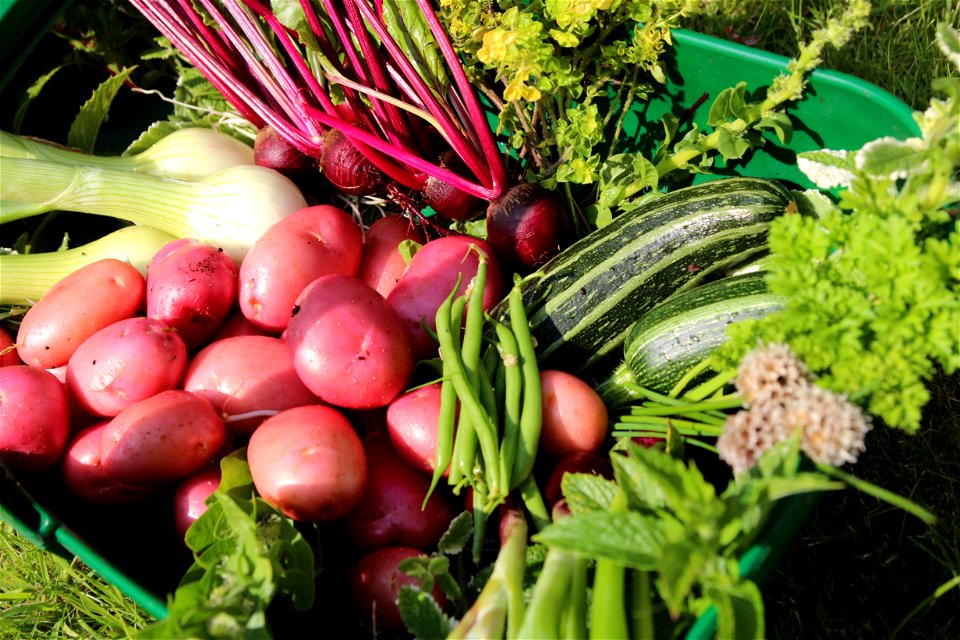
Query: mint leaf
x,y
629,538
421,614
587,492
85,127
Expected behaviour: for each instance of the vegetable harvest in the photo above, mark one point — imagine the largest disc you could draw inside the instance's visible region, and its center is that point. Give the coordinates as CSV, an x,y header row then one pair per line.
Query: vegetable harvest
x,y
466,392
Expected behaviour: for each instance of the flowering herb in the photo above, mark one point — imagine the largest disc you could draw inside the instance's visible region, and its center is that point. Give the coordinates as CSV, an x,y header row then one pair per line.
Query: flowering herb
x,y
872,283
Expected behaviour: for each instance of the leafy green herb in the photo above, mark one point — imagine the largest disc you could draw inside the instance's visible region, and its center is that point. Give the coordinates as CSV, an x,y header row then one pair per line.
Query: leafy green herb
x,y
245,554
678,527
872,284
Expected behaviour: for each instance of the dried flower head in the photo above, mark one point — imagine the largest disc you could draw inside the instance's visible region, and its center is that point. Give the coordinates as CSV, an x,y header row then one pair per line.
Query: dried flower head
x,y
771,372
834,429
749,434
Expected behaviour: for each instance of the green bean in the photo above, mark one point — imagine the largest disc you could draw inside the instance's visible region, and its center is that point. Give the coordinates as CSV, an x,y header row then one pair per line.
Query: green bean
x,y
448,320
531,414
446,423
512,382
472,411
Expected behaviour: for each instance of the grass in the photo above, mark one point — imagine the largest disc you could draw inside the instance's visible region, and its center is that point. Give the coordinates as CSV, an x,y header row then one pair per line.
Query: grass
x,y
46,596
858,569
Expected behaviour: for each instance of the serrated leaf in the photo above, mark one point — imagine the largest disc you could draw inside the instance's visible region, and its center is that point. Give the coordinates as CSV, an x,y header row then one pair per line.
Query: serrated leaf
x,y
457,535
681,486
629,538
587,492
891,158
681,567
86,126
153,134
30,95
421,614
639,487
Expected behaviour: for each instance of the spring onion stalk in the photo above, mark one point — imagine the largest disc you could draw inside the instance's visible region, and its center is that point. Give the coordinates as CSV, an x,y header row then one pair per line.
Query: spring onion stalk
x,y
230,209
608,607
500,606
25,278
191,153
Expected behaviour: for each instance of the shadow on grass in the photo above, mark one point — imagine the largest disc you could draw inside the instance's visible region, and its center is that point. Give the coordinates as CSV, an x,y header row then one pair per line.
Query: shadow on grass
x,y
859,568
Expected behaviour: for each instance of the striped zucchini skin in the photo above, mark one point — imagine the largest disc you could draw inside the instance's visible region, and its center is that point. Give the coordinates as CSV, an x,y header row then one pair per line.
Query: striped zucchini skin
x,y
666,342
584,300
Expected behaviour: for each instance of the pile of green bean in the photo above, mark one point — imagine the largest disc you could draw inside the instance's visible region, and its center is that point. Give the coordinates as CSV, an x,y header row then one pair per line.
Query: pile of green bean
x,y
491,407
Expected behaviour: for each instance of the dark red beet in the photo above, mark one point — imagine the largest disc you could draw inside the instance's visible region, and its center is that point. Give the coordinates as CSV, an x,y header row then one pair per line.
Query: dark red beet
x,y
448,201
346,168
272,150
528,226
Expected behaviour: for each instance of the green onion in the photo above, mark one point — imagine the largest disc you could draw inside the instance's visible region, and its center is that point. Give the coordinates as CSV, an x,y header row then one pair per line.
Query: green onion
x,y
230,209
189,154
25,278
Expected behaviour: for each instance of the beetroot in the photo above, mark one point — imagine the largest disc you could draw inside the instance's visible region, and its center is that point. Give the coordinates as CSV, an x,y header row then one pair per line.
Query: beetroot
x,y
448,201
528,226
346,168
272,150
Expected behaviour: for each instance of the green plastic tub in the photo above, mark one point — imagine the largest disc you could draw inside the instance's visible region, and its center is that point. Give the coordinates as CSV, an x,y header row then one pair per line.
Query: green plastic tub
x,y
135,549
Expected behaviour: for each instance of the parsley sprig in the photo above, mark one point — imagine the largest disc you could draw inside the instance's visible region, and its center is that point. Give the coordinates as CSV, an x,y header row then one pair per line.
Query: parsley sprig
x,y
873,280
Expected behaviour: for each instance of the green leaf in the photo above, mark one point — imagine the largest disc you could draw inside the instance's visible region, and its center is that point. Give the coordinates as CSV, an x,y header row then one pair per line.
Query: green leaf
x,y
813,202
408,248
681,566
623,175
587,492
948,39
458,534
891,158
85,127
30,95
778,122
730,104
628,538
739,610
731,146
421,614
679,485
408,27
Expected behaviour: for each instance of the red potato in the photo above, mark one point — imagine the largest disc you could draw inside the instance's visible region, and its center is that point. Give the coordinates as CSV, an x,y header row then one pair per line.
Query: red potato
x,y
124,363
189,499
430,278
162,438
348,345
574,417
590,462
192,287
375,582
78,417
382,263
391,510
34,419
237,324
82,303
412,424
308,462
8,349
246,374
309,243
84,477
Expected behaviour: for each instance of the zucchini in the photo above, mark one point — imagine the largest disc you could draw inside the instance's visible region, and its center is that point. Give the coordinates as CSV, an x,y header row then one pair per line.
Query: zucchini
x,y
583,301
682,331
